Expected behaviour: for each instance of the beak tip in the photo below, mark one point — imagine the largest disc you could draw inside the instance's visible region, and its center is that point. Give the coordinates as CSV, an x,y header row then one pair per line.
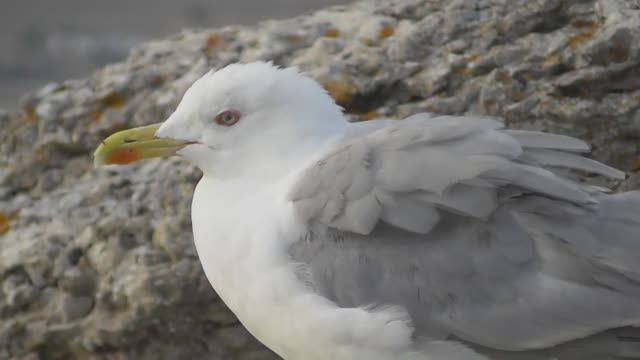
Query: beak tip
x,y
128,146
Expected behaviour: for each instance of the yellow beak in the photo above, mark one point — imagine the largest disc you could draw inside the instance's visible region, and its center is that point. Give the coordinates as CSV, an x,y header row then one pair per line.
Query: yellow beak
x,y
135,144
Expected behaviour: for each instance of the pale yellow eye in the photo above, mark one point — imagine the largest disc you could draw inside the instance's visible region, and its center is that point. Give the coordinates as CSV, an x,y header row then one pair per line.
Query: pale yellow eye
x,y
227,117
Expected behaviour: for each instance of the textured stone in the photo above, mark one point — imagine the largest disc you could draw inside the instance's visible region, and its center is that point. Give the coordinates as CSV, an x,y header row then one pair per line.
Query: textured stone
x,y
74,307
100,263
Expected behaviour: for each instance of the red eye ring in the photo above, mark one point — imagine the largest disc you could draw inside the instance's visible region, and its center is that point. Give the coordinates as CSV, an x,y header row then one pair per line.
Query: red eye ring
x,y
227,117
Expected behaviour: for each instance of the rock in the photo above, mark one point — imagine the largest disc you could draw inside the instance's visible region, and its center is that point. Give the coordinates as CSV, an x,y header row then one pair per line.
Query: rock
x,y
100,263
19,293
74,307
77,282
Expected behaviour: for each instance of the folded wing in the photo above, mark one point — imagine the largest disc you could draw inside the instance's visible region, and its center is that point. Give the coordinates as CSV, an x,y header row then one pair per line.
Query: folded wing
x,y
470,227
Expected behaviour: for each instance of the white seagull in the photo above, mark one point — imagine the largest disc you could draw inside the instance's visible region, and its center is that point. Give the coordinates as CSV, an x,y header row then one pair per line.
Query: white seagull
x,y
433,237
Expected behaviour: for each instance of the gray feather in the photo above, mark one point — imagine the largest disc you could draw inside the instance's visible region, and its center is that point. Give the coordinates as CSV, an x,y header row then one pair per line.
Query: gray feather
x,y
462,224
464,199
539,180
408,213
541,140
561,159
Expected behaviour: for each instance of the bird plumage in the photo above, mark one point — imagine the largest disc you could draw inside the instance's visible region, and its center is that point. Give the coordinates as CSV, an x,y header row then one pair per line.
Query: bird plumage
x,y
433,237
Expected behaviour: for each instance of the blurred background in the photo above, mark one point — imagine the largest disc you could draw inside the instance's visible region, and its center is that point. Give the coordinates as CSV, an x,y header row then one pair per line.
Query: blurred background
x,y
53,40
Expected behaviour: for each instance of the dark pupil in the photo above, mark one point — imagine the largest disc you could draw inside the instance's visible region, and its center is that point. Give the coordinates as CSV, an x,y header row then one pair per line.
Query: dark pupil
x,y
228,117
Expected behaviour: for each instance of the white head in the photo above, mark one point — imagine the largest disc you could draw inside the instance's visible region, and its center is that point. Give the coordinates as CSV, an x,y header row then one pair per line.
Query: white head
x,y
248,117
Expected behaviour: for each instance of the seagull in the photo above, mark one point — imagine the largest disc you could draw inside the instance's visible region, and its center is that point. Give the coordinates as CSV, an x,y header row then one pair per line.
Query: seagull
x,y
431,237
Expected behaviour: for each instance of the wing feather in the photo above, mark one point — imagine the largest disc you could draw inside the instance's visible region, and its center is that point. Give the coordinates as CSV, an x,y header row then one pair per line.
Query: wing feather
x,y
409,213
434,154
468,226
542,140
554,158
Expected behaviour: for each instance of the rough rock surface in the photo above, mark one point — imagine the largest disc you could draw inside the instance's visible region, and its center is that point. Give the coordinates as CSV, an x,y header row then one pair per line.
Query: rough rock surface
x,y
99,264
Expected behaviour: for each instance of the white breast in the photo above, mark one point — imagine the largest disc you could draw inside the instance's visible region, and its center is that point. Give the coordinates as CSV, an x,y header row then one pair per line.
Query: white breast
x,y
242,239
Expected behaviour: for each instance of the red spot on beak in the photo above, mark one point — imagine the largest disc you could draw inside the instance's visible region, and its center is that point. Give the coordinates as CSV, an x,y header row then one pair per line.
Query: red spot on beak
x,y
121,157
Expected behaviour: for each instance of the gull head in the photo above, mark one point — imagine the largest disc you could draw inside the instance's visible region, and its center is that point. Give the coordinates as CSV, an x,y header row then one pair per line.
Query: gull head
x,y
240,119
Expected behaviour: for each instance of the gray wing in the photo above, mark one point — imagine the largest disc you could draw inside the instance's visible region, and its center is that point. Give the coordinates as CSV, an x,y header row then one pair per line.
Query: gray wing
x,y
468,227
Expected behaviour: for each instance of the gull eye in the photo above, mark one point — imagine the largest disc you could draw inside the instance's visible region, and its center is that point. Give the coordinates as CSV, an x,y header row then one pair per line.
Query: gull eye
x,y
227,117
